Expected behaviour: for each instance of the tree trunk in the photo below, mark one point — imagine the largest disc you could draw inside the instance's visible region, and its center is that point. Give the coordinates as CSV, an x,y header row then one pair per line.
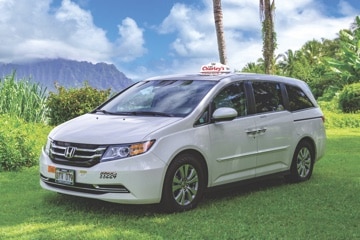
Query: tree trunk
x,y
218,16
269,35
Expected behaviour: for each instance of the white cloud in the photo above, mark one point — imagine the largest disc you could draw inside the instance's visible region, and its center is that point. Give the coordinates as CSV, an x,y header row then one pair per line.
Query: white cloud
x,y
192,34
195,34
346,9
130,44
36,29
305,21
296,22
78,31
32,29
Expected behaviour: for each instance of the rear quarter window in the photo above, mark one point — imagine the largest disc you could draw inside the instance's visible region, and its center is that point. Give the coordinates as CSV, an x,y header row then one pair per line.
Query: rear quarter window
x,y
297,98
268,97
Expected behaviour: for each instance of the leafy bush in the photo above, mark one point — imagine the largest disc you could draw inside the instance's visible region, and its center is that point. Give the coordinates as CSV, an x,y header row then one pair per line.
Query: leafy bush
x,y
70,103
21,143
341,120
349,98
22,99
335,118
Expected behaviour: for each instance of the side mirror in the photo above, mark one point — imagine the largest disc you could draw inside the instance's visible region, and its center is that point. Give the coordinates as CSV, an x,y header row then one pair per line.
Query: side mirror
x,y
224,114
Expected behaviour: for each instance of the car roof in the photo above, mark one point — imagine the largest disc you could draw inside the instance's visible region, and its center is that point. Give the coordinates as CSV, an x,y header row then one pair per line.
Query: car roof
x,y
233,76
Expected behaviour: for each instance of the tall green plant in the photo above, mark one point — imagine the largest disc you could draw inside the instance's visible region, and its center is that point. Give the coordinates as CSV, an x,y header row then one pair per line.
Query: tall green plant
x,y
347,64
22,99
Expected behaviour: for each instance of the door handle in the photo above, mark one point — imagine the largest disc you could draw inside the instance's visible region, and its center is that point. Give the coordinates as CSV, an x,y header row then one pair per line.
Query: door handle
x,y
255,132
251,132
261,130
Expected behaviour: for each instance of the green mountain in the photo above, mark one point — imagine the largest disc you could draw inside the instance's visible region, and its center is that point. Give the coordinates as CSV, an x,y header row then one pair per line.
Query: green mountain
x,y
68,73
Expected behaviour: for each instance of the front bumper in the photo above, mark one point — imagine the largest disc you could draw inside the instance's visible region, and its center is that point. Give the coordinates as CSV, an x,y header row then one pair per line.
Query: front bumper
x,y
135,180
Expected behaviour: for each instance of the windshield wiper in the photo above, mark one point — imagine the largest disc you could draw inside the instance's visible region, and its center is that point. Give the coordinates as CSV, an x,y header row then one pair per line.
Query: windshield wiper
x,y
135,113
103,111
149,113
145,113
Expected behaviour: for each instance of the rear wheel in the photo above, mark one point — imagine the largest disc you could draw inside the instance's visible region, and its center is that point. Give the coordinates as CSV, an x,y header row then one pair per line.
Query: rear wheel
x,y
184,184
303,162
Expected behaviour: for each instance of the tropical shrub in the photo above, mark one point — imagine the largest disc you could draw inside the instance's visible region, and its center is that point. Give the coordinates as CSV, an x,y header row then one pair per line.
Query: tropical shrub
x,y
341,120
70,103
23,99
21,143
349,98
346,64
335,118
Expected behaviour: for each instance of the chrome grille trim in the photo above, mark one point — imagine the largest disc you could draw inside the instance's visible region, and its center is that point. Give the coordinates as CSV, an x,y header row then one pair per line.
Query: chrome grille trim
x,y
86,155
101,149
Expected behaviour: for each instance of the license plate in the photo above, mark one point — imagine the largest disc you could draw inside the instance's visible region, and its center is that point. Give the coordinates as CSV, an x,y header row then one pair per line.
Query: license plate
x,y
65,176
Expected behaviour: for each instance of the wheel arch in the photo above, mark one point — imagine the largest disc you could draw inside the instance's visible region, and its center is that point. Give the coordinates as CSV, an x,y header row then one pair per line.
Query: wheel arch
x,y
202,160
311,142
199,156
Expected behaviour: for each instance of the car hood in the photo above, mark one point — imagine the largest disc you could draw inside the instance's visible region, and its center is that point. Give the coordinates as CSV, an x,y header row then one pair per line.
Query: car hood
x,y
109,129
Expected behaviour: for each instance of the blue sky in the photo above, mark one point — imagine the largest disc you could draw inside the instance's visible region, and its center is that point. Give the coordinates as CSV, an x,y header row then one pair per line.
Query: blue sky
x,y
144,38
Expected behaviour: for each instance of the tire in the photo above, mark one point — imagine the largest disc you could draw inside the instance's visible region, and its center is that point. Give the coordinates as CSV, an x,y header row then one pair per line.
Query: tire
x,y
302,163
184,184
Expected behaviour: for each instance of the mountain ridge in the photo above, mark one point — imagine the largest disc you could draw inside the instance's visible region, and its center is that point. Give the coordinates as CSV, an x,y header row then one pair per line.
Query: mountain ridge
x,y
68,73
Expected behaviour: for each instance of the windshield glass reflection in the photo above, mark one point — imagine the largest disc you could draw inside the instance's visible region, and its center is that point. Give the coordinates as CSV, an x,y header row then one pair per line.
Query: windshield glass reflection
x,y
169,98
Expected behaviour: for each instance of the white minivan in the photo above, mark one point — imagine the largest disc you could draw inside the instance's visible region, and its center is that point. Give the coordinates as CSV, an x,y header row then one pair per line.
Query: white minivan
x,y
168,139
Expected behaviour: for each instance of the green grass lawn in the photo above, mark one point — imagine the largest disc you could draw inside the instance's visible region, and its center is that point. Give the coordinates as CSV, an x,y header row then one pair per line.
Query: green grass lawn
x,y
326,207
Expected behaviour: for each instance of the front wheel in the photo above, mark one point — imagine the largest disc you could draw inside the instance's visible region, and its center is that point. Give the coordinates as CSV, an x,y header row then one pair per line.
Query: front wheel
x,y
184,184
303,162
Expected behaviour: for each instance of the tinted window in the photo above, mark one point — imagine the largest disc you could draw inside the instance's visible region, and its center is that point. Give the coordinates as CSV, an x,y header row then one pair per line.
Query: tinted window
x,y
297,98
268,97
232,96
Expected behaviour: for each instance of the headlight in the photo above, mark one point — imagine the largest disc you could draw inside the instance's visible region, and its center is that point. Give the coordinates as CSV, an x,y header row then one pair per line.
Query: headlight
x,y
114,152
47,146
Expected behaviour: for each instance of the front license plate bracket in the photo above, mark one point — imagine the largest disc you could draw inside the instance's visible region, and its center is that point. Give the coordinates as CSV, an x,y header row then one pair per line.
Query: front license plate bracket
x,y
65,176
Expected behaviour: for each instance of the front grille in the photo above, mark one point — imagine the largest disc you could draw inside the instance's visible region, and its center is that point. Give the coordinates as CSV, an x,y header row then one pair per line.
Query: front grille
x,y
75,154
86,188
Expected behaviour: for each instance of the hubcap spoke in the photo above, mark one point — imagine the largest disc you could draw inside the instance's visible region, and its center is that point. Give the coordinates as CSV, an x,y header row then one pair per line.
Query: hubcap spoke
x,y
176,187
193,178
189,195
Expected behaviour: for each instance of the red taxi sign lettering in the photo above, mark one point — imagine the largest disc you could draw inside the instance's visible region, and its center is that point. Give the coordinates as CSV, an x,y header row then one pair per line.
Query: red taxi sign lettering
x,y
214,68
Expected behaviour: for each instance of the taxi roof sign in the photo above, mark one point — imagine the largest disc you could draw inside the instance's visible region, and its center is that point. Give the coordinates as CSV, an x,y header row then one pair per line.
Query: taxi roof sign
x,y
214,69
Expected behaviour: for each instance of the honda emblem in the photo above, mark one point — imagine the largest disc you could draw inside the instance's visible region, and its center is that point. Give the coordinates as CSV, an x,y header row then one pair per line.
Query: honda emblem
x,y
70,152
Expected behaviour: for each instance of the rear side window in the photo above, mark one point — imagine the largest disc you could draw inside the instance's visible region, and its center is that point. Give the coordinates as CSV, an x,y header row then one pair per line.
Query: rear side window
x,y
268,97
297,98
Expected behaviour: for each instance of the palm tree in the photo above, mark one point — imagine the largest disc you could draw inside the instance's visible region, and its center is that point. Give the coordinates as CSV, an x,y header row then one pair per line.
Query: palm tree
x,y
218,16
253,67
267,8
313,51
287,62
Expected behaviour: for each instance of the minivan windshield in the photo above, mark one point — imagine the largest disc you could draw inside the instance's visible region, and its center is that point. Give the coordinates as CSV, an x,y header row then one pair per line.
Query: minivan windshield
x,y
170,98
